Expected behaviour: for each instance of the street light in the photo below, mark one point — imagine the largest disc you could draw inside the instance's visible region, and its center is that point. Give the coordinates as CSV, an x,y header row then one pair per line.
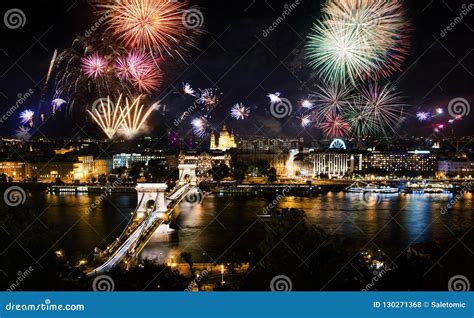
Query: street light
x,y
222,275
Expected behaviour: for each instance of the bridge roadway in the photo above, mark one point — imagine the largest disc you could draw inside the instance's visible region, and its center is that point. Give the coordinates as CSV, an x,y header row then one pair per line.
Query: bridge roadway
x,y
146,228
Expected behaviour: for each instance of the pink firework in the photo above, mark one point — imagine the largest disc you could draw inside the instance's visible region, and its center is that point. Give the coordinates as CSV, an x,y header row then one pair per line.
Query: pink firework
x,y
140,69
335,127
122,69
94,65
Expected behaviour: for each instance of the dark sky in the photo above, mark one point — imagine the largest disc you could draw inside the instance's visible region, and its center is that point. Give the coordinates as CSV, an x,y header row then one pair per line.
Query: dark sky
x,y
245,66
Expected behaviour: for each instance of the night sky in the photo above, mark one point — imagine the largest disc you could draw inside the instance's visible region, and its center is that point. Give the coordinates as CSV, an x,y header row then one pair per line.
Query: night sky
x,y
233,56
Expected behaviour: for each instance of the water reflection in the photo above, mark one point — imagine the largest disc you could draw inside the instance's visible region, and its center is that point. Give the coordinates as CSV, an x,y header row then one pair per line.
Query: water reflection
x,y
209,229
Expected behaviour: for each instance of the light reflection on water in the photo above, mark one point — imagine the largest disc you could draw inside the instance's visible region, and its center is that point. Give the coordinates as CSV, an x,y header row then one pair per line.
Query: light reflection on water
x,y
207,230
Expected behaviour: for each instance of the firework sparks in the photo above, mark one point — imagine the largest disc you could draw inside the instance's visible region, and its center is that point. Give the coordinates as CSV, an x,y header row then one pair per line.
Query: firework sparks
x,y
140,69
23,133
151,25
134,116
358,38
306,103
274,98
384,106
331,99
208,98
423,116
56,104
108,116
94,65
200,126
306,121
26,117
334,126
239,111
188,90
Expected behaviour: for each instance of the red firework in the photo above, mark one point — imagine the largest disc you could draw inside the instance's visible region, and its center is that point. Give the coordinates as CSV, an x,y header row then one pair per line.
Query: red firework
x,y
334,126
154,25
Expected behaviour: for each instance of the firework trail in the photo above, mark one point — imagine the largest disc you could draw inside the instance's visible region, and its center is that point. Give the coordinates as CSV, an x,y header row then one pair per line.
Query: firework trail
x,y
134,116
108,116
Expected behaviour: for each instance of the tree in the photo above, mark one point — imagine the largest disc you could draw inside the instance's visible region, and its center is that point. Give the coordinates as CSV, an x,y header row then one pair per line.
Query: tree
x,y
240,171
186,256
219,172
136,170
271,175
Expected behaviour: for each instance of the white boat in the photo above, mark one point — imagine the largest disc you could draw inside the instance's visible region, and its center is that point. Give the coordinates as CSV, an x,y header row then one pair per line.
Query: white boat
x,y
371,188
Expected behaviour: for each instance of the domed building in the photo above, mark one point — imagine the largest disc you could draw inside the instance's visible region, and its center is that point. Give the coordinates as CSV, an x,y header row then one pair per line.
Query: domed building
x,y
225,141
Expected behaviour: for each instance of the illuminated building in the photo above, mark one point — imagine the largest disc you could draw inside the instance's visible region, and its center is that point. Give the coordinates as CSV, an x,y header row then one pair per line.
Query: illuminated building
x,y
332,163
399,161
205,161
456,167
13,169
225,142
128,159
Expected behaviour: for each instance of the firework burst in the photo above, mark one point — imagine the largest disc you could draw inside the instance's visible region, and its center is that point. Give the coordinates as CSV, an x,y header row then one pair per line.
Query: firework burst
x,y
94,65
26,117
200,126
274,97
331,99
358,39
384,106
151,25
134,116
423,116
334,126
209,98
56,104
23,133
239,111
108,116
188,90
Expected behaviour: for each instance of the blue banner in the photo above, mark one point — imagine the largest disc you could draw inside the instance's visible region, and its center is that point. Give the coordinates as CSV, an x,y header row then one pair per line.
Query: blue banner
x,y
237,304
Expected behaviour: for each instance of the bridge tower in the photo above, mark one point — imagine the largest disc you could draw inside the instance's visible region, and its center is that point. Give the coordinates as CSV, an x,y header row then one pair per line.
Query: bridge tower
x,y
149,195
187,172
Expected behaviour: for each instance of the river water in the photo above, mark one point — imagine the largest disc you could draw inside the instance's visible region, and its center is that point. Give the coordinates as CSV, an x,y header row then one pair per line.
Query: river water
x,y
220,224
